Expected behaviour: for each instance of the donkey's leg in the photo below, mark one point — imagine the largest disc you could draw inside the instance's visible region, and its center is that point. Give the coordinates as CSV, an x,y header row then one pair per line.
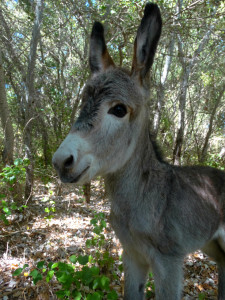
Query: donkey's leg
x,y
168,277
135,274
215,250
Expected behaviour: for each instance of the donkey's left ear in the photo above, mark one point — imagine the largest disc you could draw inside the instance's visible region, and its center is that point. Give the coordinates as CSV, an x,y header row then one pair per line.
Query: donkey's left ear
x,y
146,42
99,58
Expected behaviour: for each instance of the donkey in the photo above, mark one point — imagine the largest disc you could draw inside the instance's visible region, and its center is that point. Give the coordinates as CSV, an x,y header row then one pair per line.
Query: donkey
x,y
160,212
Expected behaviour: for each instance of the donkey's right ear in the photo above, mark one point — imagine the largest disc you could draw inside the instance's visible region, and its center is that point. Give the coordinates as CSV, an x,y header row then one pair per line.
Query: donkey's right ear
x,y
99,58
146,41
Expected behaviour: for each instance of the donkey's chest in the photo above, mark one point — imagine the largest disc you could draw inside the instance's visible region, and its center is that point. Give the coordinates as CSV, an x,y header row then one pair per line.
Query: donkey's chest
x,y
132,228
139,230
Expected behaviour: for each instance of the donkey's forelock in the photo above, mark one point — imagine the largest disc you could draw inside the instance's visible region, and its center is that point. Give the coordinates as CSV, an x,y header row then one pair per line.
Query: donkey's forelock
x,y
113,84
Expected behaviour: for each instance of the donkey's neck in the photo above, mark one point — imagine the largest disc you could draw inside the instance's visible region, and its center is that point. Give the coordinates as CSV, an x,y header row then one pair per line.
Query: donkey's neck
x,y
138,175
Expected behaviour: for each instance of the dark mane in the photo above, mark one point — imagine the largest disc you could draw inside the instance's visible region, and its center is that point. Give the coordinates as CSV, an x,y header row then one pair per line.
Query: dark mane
x,y
157,149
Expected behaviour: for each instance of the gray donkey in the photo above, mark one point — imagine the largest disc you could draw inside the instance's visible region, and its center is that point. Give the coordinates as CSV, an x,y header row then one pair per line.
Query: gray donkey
x,y
160,212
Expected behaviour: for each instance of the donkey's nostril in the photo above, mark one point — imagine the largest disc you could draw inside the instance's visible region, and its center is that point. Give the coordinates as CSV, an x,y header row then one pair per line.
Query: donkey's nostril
x,y
68,162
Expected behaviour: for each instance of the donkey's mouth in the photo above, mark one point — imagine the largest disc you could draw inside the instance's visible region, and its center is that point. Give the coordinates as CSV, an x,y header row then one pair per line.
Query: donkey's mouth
x,y
77,178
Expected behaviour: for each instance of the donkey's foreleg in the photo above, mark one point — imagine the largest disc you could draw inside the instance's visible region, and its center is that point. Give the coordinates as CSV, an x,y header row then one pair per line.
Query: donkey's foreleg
x,y
221,285
216,250
135,274
168,277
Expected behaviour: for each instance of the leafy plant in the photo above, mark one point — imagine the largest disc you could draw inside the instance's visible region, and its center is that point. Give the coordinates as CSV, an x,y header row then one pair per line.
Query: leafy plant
x,y
50,208
78,279
202,296
214,160
150,287
16,172
83,276
10,177
102,256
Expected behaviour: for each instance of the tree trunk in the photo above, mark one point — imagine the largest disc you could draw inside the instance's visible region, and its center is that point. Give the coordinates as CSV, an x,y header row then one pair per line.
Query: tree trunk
x,y
30,99
161,91
210,128
87,192
187,66
7,154
181,121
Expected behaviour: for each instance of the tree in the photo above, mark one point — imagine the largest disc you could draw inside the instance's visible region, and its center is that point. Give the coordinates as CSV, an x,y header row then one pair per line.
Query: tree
x,y
7,154
30,97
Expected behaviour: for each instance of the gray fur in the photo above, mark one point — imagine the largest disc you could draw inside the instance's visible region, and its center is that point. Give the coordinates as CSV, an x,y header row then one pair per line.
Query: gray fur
x,y
159,212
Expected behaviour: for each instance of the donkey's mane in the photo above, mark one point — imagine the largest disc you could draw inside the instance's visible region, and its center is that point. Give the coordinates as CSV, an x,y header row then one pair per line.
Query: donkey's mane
x,y
157,149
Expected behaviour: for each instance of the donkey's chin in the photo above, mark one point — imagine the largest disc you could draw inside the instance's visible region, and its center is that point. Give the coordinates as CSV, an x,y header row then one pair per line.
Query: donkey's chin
x,y
81,178
78,178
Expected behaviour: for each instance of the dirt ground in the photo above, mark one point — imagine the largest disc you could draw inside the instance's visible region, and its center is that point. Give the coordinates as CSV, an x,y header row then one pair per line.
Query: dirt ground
x,y
31,237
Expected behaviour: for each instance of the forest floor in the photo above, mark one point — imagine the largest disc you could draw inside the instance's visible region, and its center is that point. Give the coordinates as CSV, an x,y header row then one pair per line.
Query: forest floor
x,y
31,237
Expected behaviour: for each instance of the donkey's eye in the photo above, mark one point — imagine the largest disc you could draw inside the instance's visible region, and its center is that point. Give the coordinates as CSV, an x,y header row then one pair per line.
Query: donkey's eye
x,y
118,110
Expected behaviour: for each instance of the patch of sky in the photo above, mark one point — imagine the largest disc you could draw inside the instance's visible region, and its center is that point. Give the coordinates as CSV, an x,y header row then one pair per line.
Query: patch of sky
x,y
19,35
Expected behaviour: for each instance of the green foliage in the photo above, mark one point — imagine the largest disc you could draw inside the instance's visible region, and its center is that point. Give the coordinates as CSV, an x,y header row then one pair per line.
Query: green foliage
x,y
10,177
50,205
74,278
14,173
82,276
102,256
202,296
150,287
214,160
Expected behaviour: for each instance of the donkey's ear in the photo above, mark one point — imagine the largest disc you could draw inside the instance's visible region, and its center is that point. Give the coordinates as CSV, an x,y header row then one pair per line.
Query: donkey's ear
x,y
99,58
145,45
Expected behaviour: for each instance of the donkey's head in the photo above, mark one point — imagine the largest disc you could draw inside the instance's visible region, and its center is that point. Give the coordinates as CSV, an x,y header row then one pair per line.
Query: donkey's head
x,y
113,111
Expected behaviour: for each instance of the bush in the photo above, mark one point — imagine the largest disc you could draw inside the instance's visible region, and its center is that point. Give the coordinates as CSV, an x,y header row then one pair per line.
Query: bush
x,y
12,179
82,277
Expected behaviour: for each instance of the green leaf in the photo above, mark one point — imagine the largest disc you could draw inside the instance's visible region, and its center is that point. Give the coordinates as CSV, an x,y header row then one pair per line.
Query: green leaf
x,y
17,272
76,295
36,276
86,275
83,260
103,223
95,270
40,264
73,259
95,296
50,265
65,267
201,296
94,222
97,230
112,295
50,275
95,284
6,210
62,294
89,243
25,266
104,282
4,219
34,273
13,206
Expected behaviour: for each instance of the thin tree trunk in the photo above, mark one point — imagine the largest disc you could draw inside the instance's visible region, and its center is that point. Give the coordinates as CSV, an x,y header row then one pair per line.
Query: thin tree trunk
x,y
87,192
45,144
187,68
7,154
181,121
30,100
161,91
210,128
